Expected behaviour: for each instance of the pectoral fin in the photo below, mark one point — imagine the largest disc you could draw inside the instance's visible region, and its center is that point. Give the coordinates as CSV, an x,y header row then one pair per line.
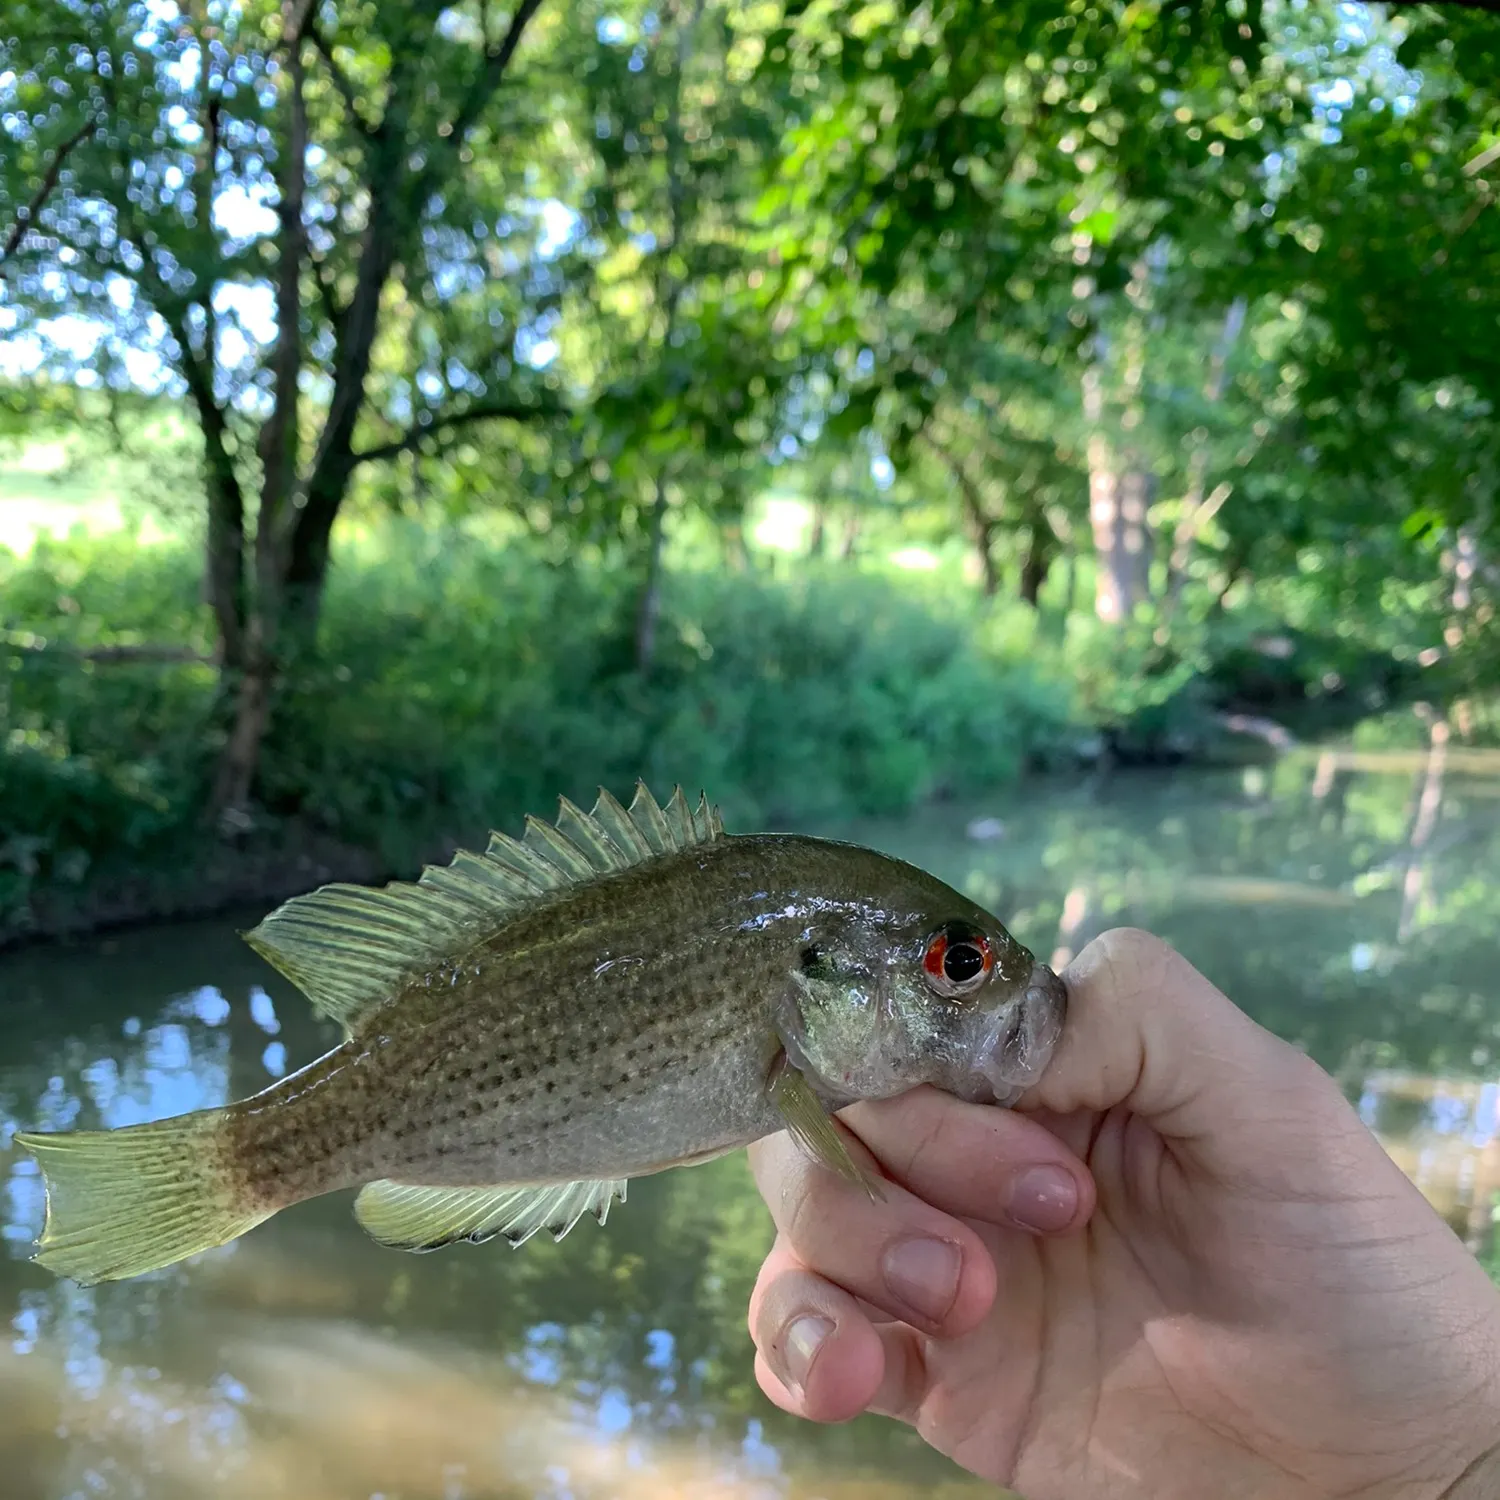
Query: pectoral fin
x,y
408,1217
812,1127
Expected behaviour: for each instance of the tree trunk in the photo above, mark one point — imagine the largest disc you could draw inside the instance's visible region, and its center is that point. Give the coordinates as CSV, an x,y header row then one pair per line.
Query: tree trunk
x,y
1120,488
241,755
1198,511
982,525
1118,505
307,547
279,455
1070,582
224,556
649,608
819,527
310,548
1037,562
224,562
851,537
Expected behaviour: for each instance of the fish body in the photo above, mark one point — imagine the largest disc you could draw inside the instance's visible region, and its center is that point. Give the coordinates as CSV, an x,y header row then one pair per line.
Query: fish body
x,y
529,1029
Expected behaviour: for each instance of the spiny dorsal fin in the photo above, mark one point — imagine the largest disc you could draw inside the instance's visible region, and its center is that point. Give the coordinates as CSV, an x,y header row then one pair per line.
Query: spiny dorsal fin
x,y
349,948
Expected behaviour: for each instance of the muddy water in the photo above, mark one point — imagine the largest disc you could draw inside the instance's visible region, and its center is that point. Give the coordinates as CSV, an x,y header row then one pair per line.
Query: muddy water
x,y
1350,903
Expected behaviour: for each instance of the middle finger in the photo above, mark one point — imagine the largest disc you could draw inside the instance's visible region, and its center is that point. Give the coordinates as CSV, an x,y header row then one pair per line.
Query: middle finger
x,y
901,1255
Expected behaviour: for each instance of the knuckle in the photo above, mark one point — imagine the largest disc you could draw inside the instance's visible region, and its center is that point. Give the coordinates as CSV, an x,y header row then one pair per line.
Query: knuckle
x,y
929,1145
798,1200
1133,961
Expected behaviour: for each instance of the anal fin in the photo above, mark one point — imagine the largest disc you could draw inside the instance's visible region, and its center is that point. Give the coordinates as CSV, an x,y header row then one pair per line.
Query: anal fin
x,y
409,1217
812,1127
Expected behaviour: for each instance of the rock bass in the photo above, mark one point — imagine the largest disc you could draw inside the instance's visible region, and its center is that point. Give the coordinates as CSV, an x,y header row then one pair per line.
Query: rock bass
x,y
526,1029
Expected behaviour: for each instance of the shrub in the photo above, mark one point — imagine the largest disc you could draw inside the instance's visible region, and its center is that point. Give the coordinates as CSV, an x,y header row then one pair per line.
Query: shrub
x,y
457,686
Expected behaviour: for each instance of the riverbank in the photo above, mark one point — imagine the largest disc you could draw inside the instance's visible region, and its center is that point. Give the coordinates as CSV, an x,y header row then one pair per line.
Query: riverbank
x,y
459,686
261,870
222,879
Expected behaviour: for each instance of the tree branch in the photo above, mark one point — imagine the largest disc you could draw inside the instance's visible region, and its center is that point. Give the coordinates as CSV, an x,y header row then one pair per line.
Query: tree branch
x,y
28,215
279,437
983,524
29,645
331,309
397,199
495,63
207,172
225,557
341,80
480,412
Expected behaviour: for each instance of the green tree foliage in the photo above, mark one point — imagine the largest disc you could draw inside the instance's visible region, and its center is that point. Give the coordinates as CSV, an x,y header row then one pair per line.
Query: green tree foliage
x,y
359,168
1179,320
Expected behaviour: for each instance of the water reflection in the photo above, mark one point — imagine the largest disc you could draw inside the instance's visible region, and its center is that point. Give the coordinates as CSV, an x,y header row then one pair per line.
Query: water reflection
x,y
320,1410
1444,1133
305,1362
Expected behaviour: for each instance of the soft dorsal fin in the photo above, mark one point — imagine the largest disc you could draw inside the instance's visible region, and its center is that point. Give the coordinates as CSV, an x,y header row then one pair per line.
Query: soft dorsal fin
x,y
349,947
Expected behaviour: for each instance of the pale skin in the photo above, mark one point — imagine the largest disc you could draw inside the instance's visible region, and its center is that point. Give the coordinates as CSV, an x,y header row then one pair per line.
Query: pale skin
x,y
1182,1268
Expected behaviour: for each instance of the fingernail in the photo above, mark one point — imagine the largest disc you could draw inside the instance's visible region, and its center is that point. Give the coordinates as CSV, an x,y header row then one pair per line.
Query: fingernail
x,y
800,1344
924,1275
1043,1199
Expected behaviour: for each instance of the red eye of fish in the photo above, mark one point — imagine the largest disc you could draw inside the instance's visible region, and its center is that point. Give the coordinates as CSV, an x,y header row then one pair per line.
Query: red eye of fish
x,y
958,959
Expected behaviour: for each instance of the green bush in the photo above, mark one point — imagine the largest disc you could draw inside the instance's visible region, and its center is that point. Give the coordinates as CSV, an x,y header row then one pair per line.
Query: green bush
x,y
98,762
457,686
461,685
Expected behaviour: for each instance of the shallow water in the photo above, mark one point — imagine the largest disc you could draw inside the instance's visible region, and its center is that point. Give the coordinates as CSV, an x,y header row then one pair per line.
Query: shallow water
x,y
1348,903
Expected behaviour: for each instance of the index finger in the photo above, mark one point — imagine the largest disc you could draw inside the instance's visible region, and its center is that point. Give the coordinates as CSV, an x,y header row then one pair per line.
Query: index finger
x,y
976,1161
971,1161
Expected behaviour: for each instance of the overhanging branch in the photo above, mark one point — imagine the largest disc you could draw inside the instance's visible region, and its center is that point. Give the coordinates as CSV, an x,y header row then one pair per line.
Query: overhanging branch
x,y
327,295
30,645
482,412
341,80
495,63
28,215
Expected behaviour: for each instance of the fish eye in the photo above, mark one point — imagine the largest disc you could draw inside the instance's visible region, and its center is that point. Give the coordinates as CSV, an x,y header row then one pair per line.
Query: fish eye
x,y
958,959
962,962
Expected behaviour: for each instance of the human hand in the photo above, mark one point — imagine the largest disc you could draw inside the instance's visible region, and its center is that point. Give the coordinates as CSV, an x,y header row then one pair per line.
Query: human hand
x,y
1181,1268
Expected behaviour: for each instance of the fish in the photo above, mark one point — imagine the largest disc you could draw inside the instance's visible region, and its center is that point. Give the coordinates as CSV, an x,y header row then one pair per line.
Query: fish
x,y
526,1030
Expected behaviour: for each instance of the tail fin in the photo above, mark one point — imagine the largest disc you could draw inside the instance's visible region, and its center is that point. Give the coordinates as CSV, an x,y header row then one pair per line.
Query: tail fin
x,y
121,1202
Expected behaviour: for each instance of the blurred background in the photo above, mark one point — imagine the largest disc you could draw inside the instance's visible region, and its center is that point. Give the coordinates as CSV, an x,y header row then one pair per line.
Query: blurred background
x,y
1051,441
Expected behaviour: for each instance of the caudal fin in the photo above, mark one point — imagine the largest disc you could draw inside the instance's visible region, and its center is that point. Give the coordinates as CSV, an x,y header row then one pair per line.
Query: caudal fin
x,y
121,1202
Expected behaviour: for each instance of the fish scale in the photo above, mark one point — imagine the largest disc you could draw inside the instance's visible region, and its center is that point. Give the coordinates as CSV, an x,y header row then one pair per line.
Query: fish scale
x,y
529,1028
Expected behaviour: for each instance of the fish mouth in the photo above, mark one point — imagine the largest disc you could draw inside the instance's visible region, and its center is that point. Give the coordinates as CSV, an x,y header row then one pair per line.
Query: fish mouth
x,y
1023,1042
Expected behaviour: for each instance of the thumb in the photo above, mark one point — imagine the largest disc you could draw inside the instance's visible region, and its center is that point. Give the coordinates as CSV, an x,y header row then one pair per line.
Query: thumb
x,y
1146,1032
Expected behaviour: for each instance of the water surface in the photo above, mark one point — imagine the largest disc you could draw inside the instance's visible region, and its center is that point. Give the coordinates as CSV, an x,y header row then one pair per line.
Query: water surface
x,y
1349,903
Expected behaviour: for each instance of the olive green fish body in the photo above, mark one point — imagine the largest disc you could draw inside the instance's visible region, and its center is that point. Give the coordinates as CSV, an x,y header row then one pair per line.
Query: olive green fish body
x,y
506,1071
621,1026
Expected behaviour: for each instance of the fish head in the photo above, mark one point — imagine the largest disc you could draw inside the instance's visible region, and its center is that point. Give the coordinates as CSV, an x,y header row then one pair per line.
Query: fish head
x,y
922,986
972,1011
